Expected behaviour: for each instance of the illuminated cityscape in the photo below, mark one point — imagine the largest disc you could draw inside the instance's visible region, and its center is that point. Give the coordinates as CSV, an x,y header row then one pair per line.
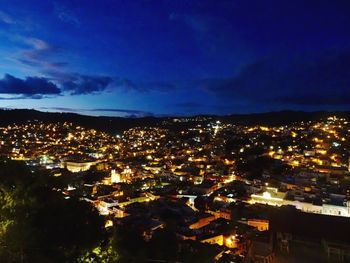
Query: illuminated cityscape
x,y
174,131
222,184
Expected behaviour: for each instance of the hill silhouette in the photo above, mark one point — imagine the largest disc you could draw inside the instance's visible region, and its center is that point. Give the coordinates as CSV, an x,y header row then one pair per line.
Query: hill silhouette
x,y
119,124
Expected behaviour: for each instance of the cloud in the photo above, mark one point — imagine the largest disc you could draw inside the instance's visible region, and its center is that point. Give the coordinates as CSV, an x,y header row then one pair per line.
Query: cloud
x,y
42,64
57,83
160,86
38,53
308,79
66,15
60,109
125,112
7,19
131,112
196,22
37,44
126,84
76,83
27,96
29,62
85,84
73,83
40,50
31,42
41,56
30,87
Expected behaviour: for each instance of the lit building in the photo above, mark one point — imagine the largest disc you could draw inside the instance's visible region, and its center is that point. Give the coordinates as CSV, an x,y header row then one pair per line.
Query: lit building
x,y
275,198
260,224
76,167
115,177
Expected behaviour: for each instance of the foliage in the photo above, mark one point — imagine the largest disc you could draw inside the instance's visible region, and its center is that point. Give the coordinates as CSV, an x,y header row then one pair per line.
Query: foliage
x,y
130,245
37,224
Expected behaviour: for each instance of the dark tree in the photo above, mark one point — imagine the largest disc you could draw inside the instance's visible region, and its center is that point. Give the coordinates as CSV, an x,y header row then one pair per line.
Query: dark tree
x,y
38,224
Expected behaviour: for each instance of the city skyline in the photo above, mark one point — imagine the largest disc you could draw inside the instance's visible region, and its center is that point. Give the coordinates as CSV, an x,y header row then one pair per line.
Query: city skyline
x,y
144,58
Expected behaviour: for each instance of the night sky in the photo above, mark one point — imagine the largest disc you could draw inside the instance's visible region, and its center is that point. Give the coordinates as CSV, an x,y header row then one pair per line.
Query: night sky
x,y
174,57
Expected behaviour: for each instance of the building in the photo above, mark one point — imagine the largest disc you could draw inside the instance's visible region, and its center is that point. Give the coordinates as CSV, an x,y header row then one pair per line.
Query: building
x,y
275,198
328,235
115,177
77,166
260,224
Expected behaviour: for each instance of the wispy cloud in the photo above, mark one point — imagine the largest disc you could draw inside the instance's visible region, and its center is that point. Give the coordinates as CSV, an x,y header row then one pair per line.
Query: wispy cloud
x,y
37,53
6,18
198,23
66,15
37,44
124,112
25,97
40,50
136,112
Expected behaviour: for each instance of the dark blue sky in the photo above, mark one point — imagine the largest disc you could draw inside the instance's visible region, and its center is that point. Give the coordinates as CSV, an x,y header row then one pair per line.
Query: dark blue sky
x,y
143,57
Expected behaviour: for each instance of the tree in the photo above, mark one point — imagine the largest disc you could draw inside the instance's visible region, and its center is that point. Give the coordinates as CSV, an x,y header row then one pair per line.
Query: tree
x,y
130,245
164,244
196,252
38,224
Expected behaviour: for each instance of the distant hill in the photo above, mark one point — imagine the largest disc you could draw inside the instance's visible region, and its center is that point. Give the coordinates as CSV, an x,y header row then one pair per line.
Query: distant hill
x,y
107,124
283,117
119,124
